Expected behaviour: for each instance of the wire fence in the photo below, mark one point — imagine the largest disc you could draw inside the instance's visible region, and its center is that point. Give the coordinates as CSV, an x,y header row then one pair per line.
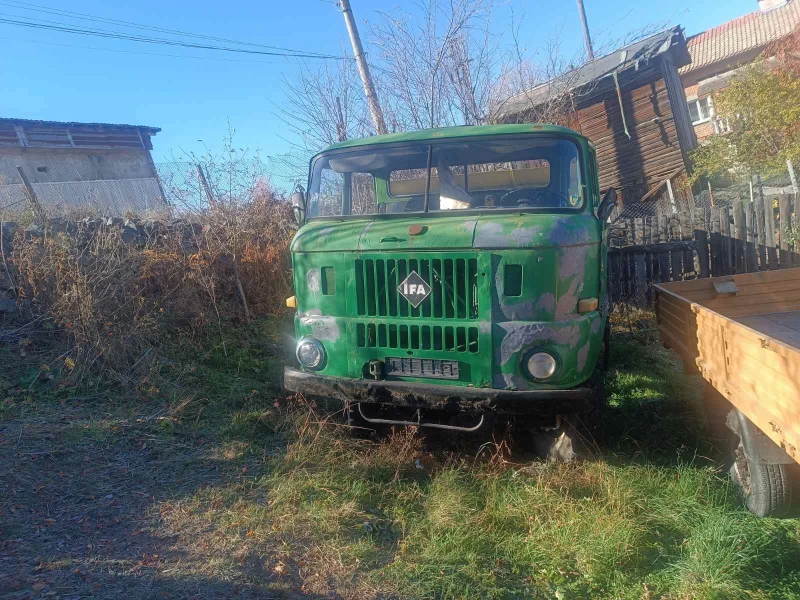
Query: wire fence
x,y
676,195
110,188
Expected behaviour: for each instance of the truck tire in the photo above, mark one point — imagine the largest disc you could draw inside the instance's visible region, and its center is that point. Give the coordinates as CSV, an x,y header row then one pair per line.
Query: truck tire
x,y
768,490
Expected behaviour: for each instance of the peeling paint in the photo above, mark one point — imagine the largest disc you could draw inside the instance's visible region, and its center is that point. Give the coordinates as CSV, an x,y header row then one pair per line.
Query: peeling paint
x,y
569,335
502,235
512,339
322,328
583,354
565,233
596,325
519,335
546,303
313,280
568,303
469,226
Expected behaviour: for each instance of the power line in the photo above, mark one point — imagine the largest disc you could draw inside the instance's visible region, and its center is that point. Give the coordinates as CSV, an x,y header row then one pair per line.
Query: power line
x,y
64,28
71,14
217,58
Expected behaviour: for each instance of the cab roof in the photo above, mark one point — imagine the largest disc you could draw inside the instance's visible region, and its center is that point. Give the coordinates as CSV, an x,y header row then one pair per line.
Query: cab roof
x,y
451,133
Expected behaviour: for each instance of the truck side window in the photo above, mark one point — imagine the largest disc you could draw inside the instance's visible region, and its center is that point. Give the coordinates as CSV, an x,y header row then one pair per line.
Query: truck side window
x,y
329,198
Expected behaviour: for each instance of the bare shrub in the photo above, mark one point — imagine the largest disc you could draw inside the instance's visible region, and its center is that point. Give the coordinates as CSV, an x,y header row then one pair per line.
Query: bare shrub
x,y
121,291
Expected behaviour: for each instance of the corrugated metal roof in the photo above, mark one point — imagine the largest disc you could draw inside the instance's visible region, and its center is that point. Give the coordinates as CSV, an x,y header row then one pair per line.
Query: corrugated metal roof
x,y
75,124
749,33
633,55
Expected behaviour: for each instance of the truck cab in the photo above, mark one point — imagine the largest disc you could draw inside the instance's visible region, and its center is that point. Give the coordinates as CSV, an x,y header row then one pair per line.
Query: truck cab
x,y
447,274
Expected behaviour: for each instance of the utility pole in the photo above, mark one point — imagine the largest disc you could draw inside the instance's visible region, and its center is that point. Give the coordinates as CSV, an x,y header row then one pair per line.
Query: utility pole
x,y
363,68
587,38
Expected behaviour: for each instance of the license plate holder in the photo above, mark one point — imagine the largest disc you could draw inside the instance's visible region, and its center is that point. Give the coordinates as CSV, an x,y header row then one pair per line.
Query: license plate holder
x,y
432,368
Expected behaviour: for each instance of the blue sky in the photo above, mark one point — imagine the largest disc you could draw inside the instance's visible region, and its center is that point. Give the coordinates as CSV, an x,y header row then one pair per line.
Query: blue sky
x,y
193,99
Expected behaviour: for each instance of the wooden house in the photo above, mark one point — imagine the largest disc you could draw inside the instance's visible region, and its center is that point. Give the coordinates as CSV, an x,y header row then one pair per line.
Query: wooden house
x,y
98,168
631,105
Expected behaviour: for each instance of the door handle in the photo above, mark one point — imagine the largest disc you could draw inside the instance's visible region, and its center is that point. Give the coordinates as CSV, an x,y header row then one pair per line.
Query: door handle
x,y
392,238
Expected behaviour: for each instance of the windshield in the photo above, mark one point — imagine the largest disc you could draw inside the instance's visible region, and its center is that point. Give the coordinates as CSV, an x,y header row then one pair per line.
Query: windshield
x,y
520,173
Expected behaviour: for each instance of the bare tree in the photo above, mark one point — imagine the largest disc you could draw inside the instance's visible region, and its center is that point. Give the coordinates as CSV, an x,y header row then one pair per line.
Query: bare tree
x,y
325,105
435,63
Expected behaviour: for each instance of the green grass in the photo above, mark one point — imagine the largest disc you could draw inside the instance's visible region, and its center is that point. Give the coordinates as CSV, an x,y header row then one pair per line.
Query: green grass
x,y
273,496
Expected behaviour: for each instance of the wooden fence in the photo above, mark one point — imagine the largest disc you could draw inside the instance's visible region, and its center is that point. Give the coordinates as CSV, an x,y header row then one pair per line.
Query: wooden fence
x,y
705,242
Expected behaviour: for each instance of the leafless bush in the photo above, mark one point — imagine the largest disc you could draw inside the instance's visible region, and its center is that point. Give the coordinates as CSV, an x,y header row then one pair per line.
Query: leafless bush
x,y
120,291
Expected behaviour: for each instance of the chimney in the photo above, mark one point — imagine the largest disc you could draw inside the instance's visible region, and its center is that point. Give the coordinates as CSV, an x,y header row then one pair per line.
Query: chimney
x,y
766,5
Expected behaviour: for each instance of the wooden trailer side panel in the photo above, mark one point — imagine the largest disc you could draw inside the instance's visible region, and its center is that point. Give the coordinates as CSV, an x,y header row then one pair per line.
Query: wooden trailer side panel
x,y
759,374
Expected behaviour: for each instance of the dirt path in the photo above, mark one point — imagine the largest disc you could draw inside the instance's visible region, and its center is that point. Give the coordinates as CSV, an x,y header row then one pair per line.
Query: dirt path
x,y
83,504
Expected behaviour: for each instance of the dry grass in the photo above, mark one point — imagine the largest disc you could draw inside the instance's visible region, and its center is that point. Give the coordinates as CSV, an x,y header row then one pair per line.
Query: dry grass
x,y
118,303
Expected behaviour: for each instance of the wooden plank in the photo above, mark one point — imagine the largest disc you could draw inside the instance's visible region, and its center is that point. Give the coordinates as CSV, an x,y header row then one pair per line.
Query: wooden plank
x,y
700,296
676,265
638,231
725,231
746,311
775,326
674,301
740,237
701,237
717,268
668,246
663,257
769,229
750,256
761,238
686,219
625,279
640,293
784,209
796,255
731,233
614,276
743,279
753,300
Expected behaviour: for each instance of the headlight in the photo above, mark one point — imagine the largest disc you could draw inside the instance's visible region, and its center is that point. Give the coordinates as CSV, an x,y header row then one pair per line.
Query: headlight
x,y
541,365
310,353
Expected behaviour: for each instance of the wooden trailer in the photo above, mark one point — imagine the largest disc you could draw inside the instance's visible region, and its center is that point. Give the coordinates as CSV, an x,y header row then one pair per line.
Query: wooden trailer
x,y
742,333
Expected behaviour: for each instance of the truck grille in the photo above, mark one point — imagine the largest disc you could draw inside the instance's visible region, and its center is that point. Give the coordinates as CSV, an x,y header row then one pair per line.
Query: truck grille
x,y
446,338
454,283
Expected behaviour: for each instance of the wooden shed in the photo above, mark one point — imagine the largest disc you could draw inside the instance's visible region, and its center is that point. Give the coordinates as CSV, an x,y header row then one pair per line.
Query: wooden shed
x,y
631,105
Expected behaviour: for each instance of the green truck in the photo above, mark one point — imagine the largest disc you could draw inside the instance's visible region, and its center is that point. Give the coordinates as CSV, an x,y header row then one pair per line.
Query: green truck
x,y
448,275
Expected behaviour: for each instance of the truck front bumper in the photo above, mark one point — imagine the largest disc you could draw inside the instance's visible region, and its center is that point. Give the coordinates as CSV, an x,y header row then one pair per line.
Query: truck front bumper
x,y
441,397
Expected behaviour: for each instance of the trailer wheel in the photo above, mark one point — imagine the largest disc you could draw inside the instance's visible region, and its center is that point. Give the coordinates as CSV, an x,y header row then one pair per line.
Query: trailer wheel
x,y
768,490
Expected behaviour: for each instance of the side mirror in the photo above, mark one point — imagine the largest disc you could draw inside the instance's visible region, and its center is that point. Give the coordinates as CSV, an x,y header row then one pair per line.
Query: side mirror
x,y
607,205
299,207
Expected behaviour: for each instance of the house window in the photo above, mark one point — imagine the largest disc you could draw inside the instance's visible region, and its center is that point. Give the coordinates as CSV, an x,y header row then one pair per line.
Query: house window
x,y
701,110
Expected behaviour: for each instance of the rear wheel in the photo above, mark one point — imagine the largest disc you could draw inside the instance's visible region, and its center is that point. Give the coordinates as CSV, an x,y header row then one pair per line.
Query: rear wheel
x,y
768,490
